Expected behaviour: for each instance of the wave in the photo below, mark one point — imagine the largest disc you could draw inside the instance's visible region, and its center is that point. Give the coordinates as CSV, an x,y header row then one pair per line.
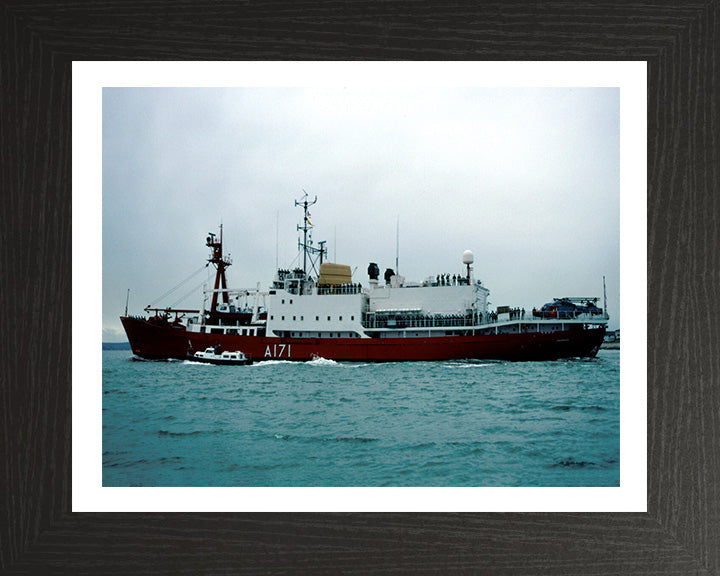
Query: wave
x,y
192,433
469,364
134,358
122,462
572,463
341,439
422,446
272,362
317,361
565,408
320,361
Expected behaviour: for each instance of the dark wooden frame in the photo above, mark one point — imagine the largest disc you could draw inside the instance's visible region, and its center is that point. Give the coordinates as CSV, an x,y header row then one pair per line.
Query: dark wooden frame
x,y
680,533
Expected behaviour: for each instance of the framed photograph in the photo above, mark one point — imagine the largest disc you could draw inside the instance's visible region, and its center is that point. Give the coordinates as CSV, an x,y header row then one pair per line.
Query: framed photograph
x,y
664,523
362,385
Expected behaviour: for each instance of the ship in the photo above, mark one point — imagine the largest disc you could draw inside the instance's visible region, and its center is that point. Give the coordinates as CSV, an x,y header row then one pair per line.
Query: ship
x,y
318,310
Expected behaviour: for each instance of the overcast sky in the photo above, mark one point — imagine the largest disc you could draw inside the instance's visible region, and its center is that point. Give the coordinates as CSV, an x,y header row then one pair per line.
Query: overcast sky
x,y
528,179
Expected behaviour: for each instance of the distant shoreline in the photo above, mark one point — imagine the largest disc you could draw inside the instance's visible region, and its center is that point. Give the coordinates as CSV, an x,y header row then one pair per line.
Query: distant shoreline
x,y
116,345
610,345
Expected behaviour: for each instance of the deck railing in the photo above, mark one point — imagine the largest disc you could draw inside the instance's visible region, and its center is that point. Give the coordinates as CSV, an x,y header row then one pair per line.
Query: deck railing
x,y
350,288
468,321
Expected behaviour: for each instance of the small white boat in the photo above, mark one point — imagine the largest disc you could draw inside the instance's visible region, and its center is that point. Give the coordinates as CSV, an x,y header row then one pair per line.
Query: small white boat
x,y
217,355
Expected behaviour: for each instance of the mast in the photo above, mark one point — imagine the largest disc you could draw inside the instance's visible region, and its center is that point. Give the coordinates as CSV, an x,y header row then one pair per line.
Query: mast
x,y
397,246
306,225
605,298
323,250
221,263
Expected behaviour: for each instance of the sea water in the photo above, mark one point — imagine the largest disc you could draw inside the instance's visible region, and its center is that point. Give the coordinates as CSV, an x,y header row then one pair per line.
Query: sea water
x,y
326,423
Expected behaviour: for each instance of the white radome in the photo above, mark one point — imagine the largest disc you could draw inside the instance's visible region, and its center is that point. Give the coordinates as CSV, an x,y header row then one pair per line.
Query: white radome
x,y
468,257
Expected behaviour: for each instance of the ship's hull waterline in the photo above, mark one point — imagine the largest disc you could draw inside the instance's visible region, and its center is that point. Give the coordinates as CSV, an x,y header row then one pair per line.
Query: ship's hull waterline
x,y
151,341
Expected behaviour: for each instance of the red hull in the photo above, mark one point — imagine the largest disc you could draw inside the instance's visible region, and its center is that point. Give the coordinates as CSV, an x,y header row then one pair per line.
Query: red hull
x,y
155,342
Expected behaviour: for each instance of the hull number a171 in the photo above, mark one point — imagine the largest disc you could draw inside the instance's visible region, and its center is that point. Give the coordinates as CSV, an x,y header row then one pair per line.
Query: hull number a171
x,y
281,348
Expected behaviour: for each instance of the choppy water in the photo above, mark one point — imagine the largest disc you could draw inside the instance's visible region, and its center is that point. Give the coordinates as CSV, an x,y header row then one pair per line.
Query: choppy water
x,y
323,423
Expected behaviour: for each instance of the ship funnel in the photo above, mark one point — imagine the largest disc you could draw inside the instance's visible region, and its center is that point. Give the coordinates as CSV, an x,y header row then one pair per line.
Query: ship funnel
x,y
389,273
373,271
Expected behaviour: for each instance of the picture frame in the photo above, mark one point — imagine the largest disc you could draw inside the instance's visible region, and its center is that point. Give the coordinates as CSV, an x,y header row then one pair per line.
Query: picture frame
x,y
38,531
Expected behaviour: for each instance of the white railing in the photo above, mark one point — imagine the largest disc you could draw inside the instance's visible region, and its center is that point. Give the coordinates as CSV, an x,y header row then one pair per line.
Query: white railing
x,y
469,321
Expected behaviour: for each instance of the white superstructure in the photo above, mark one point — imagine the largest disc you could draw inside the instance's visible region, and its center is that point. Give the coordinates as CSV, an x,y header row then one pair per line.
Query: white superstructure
x,y
304,309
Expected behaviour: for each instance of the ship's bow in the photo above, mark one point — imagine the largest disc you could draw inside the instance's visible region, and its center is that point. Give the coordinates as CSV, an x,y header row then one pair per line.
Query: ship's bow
x,y
155,341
